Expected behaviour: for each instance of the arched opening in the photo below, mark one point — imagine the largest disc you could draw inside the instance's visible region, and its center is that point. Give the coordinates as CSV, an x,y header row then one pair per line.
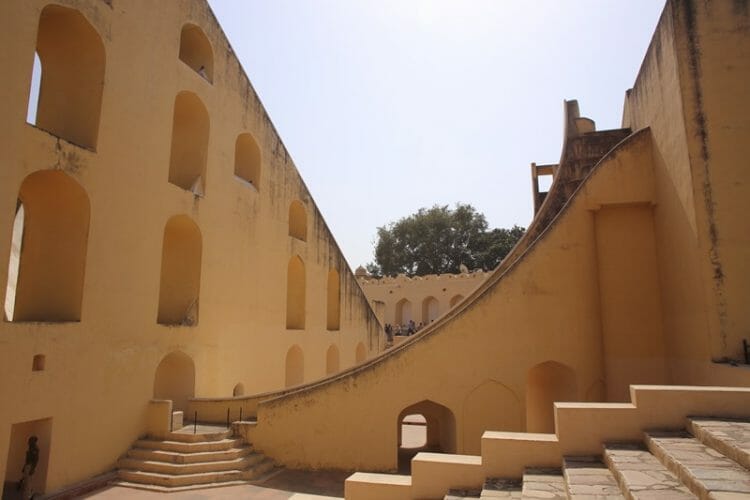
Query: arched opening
x,y
297,221
424,426
333,312
247,159
180,272
38,363
403,312
547,383
72,61
430,310
295,294
491,406
295,367
238,390
196,52
175,379
361,353
332,360
190,127
456,299
48,249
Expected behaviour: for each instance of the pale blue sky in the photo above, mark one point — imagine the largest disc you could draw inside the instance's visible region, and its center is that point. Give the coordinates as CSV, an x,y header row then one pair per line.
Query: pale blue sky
x,y
387,106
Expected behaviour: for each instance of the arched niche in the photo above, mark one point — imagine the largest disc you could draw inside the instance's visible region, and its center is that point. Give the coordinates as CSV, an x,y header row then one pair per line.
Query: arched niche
x,y
196,52
48,249
175,379
189,151
333,301
455,300
295,294
360,354
294,367
547,383
247,159
180,282
403,312
332,360
297,220
72,59
238,390
430,310
490,406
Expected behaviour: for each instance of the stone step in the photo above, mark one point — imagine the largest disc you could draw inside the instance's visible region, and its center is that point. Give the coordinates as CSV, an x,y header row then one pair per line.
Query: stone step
x,y
588,477
188,458
462,494
544,482
184,480
729,436
171,480
185,447
175,489
498,487
705,471
640,474
240,463
187,436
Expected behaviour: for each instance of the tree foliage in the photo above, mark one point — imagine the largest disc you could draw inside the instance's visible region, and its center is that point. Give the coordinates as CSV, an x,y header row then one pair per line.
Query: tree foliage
x,y
438,240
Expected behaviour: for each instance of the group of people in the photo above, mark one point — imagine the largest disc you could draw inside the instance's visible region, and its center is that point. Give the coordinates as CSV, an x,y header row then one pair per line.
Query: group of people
x,y
406,329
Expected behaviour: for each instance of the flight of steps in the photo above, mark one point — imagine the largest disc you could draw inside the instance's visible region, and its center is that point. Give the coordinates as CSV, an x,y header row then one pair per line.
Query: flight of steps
x,y
186,461
709,460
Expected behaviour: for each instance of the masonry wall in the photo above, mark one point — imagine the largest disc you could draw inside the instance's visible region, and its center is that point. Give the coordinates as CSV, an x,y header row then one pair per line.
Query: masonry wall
x,y
637,278
100,367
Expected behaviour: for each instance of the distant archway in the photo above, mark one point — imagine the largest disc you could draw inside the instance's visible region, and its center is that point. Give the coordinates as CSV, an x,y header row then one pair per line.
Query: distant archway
x,y
332,360
456,299
196,52
247,159
72,60
403,312
333,301
547,383
439,434
189,153
48,249
175,379
295,367
430,310
180,282
361,353
297,220
295,294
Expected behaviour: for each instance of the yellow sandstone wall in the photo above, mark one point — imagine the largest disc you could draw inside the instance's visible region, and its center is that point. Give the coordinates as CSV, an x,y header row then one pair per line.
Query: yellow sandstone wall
x,y
421,298
113,184
637,279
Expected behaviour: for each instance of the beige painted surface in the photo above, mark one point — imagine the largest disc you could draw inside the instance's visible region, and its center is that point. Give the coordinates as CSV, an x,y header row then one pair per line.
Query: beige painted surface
x,y
629,282
421,298
121,234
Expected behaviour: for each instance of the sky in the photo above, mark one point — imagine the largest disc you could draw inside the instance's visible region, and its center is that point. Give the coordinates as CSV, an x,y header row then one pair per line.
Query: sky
x,y
388,106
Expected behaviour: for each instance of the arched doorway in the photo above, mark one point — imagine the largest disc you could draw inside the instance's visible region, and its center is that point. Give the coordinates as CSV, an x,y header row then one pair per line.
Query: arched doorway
x,y
430,310
332,360
424,426
403,312
547,383
175,379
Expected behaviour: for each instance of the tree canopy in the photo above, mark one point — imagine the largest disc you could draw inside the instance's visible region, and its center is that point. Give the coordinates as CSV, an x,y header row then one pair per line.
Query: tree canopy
x,y
438,240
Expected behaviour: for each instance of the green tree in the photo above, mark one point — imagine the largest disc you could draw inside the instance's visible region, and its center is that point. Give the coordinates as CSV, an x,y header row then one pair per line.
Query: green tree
x,y
438,240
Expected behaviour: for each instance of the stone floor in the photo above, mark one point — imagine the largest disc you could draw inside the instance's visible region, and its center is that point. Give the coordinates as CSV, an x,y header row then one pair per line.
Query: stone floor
x,y
288,484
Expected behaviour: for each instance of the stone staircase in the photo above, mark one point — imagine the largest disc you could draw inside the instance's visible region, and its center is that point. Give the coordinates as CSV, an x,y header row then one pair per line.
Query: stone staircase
x,y
186,461
708,460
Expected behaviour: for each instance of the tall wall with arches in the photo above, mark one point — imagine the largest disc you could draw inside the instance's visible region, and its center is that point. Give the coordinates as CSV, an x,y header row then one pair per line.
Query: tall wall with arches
x,y
156,238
